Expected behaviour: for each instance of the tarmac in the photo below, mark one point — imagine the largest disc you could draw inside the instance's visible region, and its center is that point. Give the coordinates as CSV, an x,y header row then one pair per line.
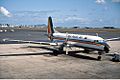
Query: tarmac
x,y
32,61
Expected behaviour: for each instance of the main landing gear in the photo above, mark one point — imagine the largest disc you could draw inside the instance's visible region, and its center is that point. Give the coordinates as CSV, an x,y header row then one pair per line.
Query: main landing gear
x,y
58,50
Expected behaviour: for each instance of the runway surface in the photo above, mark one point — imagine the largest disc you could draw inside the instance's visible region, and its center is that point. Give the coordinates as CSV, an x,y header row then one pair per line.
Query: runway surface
x,y
24,61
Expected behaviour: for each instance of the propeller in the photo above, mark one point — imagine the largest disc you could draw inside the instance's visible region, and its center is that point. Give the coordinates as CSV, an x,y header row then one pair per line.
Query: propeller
x,y
66,44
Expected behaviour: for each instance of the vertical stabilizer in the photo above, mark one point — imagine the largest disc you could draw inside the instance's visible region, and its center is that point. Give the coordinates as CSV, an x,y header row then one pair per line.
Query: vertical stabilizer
x,y
50,29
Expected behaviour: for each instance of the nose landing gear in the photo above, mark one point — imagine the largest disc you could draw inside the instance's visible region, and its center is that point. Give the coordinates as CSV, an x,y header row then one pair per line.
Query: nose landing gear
x,y
100,55
106,50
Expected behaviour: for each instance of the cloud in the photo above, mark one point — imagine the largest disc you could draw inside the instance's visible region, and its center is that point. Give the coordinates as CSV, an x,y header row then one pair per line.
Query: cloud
x,y
5,12
76,18
100,1
40,17
34,14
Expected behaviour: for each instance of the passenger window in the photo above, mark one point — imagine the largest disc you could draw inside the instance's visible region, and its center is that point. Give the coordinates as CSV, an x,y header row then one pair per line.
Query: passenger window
x,y
85,38
96,41
80,37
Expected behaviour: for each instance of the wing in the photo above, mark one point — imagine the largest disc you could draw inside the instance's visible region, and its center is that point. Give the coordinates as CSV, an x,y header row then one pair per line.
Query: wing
x,y
112,39
33,42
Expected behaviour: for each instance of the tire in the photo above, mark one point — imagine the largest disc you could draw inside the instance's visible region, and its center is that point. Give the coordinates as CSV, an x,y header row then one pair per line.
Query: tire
x,y
99,58
55,53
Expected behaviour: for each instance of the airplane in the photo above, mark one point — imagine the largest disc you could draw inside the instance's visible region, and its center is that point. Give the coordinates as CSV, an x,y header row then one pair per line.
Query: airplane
x,y
68,40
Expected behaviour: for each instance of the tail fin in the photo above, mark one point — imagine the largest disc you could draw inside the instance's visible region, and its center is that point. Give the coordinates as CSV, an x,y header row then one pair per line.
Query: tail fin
x,y
50,29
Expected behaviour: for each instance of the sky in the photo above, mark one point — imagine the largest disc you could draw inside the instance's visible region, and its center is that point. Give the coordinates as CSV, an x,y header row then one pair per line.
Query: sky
x,y
65,13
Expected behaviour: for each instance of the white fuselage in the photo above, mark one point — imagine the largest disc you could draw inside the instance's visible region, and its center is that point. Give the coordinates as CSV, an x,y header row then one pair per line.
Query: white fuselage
x,y
85,41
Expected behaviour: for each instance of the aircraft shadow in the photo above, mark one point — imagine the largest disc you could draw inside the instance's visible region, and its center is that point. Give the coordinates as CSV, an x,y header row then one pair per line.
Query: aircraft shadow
x,y
110,54
25,54
81,56
71,53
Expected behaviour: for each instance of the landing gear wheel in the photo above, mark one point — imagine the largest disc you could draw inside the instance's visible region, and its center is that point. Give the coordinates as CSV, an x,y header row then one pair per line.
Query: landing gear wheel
x,y
55,53
99,58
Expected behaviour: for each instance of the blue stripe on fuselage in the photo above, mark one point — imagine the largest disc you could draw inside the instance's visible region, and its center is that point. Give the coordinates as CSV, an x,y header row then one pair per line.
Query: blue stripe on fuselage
x,y
79,41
